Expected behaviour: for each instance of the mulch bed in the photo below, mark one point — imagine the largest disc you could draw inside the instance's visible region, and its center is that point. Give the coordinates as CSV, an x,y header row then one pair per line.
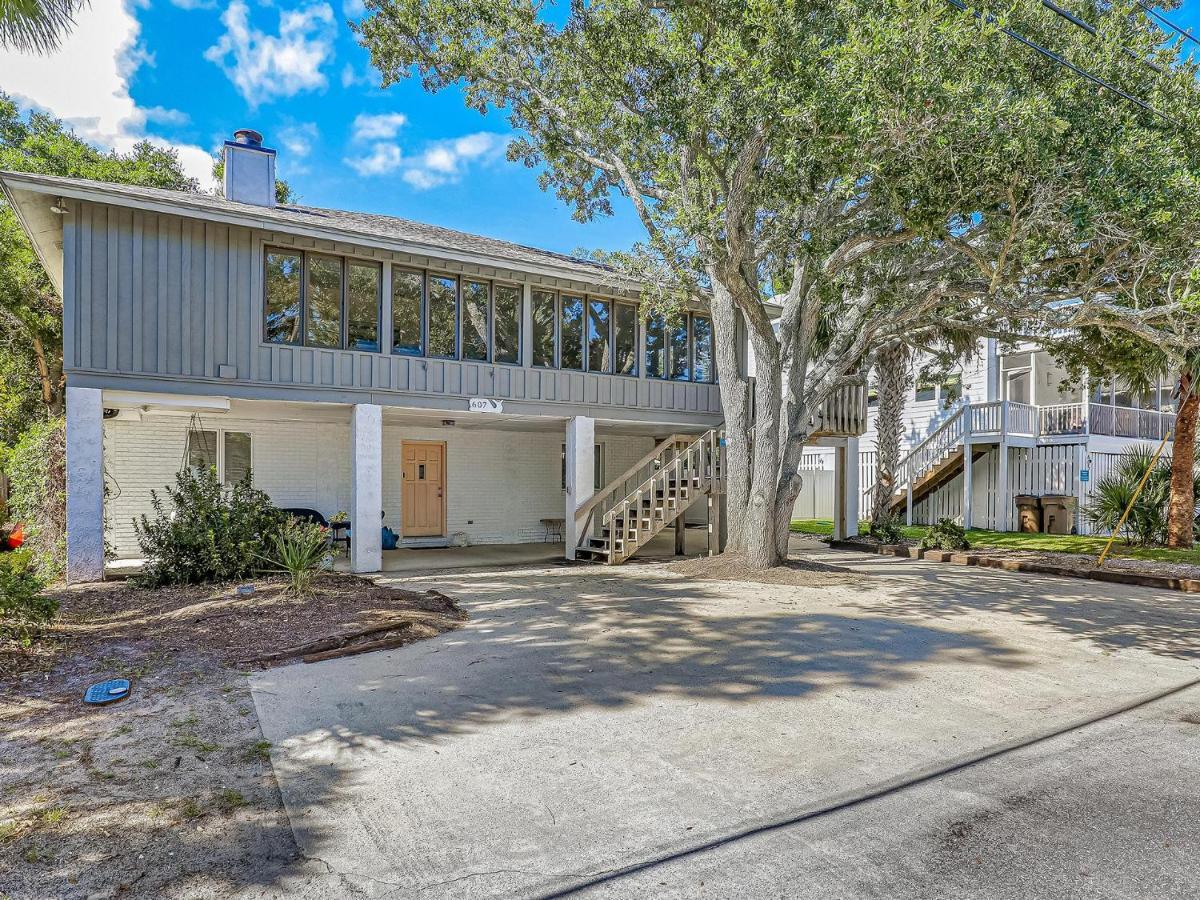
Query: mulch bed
x,y
218,623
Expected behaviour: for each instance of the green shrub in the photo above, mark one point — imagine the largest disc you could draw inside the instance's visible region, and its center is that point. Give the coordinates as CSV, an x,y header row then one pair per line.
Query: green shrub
x,y
299,550
1147,522
24,609
204,532
945,535
887,530
36,467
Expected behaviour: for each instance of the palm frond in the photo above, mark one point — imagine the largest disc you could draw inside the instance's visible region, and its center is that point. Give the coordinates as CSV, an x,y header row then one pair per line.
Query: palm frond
x,y
36,26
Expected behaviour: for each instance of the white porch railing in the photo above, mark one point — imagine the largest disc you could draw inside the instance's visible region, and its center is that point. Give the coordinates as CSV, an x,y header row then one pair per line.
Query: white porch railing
x,y
996,419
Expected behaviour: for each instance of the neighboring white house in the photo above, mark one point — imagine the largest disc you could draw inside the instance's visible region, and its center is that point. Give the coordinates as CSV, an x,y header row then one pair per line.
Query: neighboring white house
x,y
454,387
1026,429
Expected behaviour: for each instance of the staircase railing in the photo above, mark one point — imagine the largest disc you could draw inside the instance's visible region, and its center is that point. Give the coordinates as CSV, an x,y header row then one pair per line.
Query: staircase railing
x,y
605,498
927,454
678,472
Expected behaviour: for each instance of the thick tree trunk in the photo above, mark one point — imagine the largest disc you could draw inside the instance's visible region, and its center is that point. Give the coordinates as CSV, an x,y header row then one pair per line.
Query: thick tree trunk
x,y
1181,511
894,376
735,402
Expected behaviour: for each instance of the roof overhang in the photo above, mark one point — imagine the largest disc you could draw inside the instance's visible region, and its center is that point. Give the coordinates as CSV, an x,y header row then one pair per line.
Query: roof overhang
x,y
16,185
45,228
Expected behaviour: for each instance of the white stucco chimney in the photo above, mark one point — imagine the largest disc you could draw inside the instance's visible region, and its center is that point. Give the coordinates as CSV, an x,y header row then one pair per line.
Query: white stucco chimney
x,y
249,169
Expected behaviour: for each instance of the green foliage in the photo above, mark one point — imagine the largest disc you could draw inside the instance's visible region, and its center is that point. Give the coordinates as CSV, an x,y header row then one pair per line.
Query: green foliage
x,y
36,467
204,532
299,550
945,535
24,609
1147,521
30,308
36,26
887,530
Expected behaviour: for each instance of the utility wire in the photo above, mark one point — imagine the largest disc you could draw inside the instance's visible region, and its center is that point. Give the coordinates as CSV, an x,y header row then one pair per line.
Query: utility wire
x,y
1094,32
1163,20
1061,60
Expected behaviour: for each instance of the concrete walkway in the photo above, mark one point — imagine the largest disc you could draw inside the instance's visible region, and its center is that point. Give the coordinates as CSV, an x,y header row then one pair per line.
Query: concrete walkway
x,y
630,733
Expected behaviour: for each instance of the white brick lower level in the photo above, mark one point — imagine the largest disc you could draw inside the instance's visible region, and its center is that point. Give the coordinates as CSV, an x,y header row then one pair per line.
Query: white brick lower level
x,y
500,484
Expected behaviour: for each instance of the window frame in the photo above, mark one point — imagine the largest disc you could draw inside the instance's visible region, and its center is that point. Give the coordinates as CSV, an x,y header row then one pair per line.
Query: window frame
x,y
555,328
345,261
520,322
669,356
637,344
220,448
583,298
423,302
488,310
429,276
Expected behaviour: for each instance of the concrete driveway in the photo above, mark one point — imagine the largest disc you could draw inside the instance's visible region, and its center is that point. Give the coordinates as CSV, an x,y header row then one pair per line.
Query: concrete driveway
x,y
628,732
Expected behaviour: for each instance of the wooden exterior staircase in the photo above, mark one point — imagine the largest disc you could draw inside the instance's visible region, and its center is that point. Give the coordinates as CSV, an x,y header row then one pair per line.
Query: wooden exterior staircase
x,y
652,494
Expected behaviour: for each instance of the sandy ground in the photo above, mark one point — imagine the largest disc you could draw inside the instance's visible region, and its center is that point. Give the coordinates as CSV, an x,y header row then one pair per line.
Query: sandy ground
x,y
611,729
169,793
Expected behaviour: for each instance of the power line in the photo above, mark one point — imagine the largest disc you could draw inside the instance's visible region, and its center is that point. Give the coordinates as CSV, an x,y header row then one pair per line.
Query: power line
x,y
1163,20
1061,60
1094,32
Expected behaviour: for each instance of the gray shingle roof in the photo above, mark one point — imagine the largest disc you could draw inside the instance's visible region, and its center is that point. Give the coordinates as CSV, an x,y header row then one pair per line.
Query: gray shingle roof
x,y
351,224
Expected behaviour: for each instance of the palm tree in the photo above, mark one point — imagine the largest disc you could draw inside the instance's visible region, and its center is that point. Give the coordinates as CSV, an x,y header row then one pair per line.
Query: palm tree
x,y
36,26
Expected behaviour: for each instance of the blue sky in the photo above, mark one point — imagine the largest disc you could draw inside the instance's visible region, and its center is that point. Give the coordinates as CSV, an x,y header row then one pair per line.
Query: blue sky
x,y
186,73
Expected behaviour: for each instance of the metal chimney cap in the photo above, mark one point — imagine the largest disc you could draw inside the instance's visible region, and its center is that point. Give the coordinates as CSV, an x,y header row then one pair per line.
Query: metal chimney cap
x,y
248,136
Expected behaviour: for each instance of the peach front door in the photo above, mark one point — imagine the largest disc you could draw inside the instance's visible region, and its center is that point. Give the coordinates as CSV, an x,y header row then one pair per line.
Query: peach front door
x,y
424,488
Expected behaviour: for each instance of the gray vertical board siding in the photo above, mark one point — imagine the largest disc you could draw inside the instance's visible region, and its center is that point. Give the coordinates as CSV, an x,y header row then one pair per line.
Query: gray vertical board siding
x,y
161,295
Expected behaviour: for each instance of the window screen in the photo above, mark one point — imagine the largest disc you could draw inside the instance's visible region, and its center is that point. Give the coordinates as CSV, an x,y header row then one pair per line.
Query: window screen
x,y
282,302
408,310
625,339
475,319
543,329
443,316
363,302
237,457
507,305
323,306
571,333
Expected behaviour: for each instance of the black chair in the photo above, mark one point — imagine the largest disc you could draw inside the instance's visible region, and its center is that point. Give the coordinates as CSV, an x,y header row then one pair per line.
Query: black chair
x,y
306,515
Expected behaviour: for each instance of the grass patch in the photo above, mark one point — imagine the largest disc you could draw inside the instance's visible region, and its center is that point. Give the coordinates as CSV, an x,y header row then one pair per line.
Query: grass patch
x,y
259,751
1087,545
191,809
229,800
192,742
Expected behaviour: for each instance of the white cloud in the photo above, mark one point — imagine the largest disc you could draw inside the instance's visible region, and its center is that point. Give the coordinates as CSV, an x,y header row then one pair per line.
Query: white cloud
x,y
265,66
444,161
195,4
382,159
352,9
86,83
380,127
298,139
351,77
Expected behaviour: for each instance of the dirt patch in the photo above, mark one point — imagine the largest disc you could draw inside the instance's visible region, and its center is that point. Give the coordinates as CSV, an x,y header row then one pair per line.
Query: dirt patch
x,y
795,571
168,793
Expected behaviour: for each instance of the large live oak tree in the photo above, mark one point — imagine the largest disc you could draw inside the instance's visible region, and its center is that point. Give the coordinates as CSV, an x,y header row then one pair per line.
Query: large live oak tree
x,y
831,174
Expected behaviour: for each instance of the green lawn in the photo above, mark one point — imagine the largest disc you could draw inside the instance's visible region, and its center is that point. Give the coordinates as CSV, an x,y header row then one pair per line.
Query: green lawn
x,y
1011,540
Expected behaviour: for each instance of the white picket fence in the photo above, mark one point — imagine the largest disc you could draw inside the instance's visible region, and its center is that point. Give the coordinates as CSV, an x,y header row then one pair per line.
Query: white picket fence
x,y
1039,470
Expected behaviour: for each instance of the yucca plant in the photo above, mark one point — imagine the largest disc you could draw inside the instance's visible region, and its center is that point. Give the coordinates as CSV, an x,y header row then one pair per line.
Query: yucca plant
x,y
1147,521
298,551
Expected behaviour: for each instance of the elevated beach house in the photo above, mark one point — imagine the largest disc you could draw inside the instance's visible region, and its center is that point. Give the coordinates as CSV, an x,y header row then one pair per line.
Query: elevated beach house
x,y
456,388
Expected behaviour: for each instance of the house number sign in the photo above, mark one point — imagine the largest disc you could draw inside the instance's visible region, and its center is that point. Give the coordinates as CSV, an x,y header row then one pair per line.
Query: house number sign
x,y
485,404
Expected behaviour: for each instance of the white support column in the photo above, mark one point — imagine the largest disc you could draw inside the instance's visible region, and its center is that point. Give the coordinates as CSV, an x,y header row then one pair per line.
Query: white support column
x,y
839,493
853,489
85,484
366,488
1003,491
968,469
581,474
1081,463
968,484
